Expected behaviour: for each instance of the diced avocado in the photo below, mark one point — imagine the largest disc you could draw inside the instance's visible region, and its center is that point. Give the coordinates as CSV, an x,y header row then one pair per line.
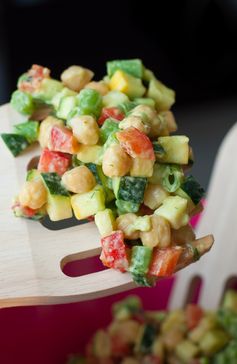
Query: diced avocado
x,y
183,194
16,143
126,206
28,129
114,98
67,104
127,84
133,67
193,189
176,149
105,222
52,182
48,89
186,351
22,102
164,97
60,95
109,195
140,260
144,101
58,207
58,199
89,203
141,167
213,341
157,175
130,188
147,337
174,209
33,174
90,153
90,102
110,126
142,223
230,301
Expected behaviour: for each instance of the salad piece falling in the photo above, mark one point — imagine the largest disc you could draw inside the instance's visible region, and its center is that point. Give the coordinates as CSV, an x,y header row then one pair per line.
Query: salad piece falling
x,y
107,153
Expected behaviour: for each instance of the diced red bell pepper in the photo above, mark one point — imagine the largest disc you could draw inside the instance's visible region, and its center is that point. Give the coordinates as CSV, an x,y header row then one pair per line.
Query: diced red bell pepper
x,y
110,112
51,161
164,261
63,140
114,254
136,143
24,210
36,75
194,313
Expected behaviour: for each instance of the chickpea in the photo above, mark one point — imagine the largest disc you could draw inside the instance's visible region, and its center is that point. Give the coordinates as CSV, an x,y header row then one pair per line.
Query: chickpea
x,y
159,235
125,223
144,111
45,130
116,162
85,129
76,77
33,194
136,122
154,196
79,180
99,86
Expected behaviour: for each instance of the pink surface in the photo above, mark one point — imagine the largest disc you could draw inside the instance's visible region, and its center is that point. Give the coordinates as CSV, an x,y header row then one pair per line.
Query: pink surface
x,y
47,334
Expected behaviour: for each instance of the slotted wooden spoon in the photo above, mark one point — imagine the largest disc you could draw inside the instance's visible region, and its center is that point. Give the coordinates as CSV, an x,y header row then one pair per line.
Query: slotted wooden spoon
x,y
219,217
32,257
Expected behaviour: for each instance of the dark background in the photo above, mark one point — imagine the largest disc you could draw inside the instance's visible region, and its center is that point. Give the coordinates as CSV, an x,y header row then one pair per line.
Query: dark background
x,y
191,45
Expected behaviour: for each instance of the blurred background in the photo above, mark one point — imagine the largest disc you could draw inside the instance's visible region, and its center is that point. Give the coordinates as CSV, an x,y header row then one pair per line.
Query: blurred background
x,y
191,46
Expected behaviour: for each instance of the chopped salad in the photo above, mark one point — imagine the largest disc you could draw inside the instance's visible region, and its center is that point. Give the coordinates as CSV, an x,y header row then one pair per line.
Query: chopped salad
x,y
188,336
108,153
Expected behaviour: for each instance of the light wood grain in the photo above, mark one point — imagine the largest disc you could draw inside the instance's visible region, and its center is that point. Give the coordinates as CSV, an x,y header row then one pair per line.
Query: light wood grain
x,y
219,217
31,255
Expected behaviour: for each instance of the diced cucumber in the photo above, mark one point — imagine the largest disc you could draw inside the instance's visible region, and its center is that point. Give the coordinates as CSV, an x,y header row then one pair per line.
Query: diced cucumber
x,y
58,207
109,195
123,82
163,96
183,194
141,167
60,95
90,102
193,189
142,223
144,280
28,129
110,126
148,335
127,106
22,102
132,66
213,341
16,143
186,351
89,203
126,206
105,222
230,301
67,104
114,98
90,153
207,323
140,260
145,101
33,174
93,168
48,89
158,150
52,182
130,188
174,209
176,149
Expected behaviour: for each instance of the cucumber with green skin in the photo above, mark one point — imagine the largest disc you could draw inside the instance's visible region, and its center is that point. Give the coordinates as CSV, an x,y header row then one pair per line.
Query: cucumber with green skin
x,y
16,143
193,189
22,102
28,129
148,337
130,188
52,182
110,126
32,174
126,206
133,67
140,260
144,280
